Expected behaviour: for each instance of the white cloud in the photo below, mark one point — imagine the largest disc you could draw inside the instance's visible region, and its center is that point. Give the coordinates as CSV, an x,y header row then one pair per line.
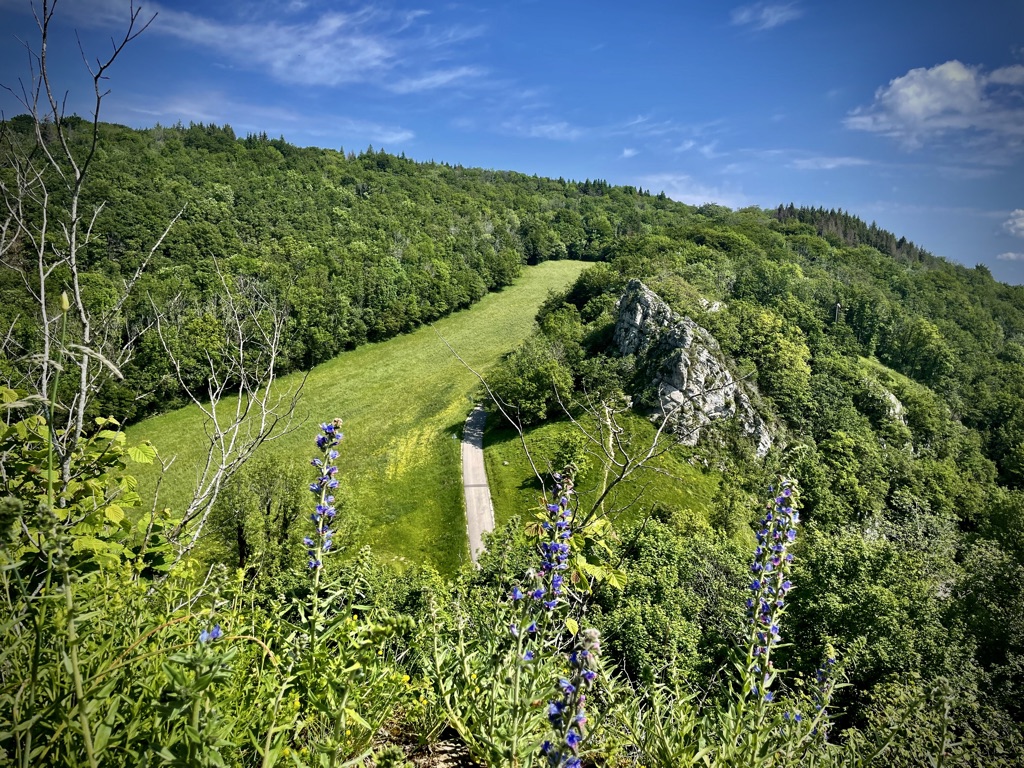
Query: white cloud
x,y
388,48
531,129
827,163
629,152
1008,75
686,189
1010,256
1015,224
438,79
950,97
765,15
709,151
350,129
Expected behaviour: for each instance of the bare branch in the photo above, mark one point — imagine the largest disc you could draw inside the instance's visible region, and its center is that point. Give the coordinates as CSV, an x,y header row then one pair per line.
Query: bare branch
x,y
244,367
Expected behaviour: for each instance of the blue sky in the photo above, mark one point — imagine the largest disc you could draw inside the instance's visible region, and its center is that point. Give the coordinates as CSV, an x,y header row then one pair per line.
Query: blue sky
x,y
910,114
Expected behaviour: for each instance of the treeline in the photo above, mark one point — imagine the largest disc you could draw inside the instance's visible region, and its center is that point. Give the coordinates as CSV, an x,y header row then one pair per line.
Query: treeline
x,y
359,247
353,248
842,228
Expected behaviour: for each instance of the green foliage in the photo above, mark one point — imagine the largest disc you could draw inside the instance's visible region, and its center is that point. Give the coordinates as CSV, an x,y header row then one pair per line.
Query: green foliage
x,y
102,665
674,617
530,381
898,377
490,695
97,504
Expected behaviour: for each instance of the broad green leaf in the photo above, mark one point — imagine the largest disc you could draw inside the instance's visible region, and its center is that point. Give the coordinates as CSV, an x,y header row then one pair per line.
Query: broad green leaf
x,y
572,625
144,453
114,513
88,544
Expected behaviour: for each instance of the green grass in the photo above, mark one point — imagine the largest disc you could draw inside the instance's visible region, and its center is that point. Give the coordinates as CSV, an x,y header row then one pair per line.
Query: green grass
x,y
515,489
403,402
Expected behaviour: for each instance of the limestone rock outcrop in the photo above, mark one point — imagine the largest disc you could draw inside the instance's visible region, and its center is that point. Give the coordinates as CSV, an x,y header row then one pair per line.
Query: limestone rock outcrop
x,y
686,368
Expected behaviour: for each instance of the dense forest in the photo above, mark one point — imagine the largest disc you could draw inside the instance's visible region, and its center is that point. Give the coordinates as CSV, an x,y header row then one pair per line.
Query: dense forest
x,y
893,381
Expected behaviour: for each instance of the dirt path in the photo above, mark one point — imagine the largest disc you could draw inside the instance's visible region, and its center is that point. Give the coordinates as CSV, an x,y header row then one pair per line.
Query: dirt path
x,y
479,510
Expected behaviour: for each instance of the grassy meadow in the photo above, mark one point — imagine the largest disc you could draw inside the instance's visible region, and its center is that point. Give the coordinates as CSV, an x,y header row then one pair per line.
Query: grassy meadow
x,y
403,402
515,490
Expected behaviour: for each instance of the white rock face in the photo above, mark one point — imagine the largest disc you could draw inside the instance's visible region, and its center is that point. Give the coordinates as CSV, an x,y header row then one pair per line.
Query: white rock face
x,y
695,386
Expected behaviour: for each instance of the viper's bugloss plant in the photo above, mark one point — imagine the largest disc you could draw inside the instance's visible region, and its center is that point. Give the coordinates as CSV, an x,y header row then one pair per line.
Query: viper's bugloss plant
x,y
770,584
323,488
566,713
755,724
344,684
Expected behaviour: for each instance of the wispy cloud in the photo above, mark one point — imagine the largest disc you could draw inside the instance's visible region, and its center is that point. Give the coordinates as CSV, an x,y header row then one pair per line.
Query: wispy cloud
x,y
710,150
390,48
762,16
438,79
827,163
629,152
1015,223
685,189
535,129
927,103
1010,256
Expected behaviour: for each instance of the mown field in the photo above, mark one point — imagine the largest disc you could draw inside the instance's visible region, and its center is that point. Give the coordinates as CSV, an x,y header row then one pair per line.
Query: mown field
x,y
403,402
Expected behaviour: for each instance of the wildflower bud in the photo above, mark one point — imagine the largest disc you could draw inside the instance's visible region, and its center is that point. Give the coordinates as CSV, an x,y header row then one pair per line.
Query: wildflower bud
x,y
65,303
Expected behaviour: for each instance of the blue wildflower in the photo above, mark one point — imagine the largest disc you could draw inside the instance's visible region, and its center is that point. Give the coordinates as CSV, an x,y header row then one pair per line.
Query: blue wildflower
x,y
771,564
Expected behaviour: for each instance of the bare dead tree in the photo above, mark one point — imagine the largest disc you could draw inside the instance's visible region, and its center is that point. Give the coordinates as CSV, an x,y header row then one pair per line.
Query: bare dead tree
x,y
508,410
240,405
46,227
599,419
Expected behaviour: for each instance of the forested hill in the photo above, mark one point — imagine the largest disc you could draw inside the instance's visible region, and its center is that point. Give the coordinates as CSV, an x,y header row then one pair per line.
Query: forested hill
x,y
892,379
359,247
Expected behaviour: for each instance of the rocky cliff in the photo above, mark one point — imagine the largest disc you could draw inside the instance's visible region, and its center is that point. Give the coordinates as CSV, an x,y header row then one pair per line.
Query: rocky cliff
x,y
686,367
